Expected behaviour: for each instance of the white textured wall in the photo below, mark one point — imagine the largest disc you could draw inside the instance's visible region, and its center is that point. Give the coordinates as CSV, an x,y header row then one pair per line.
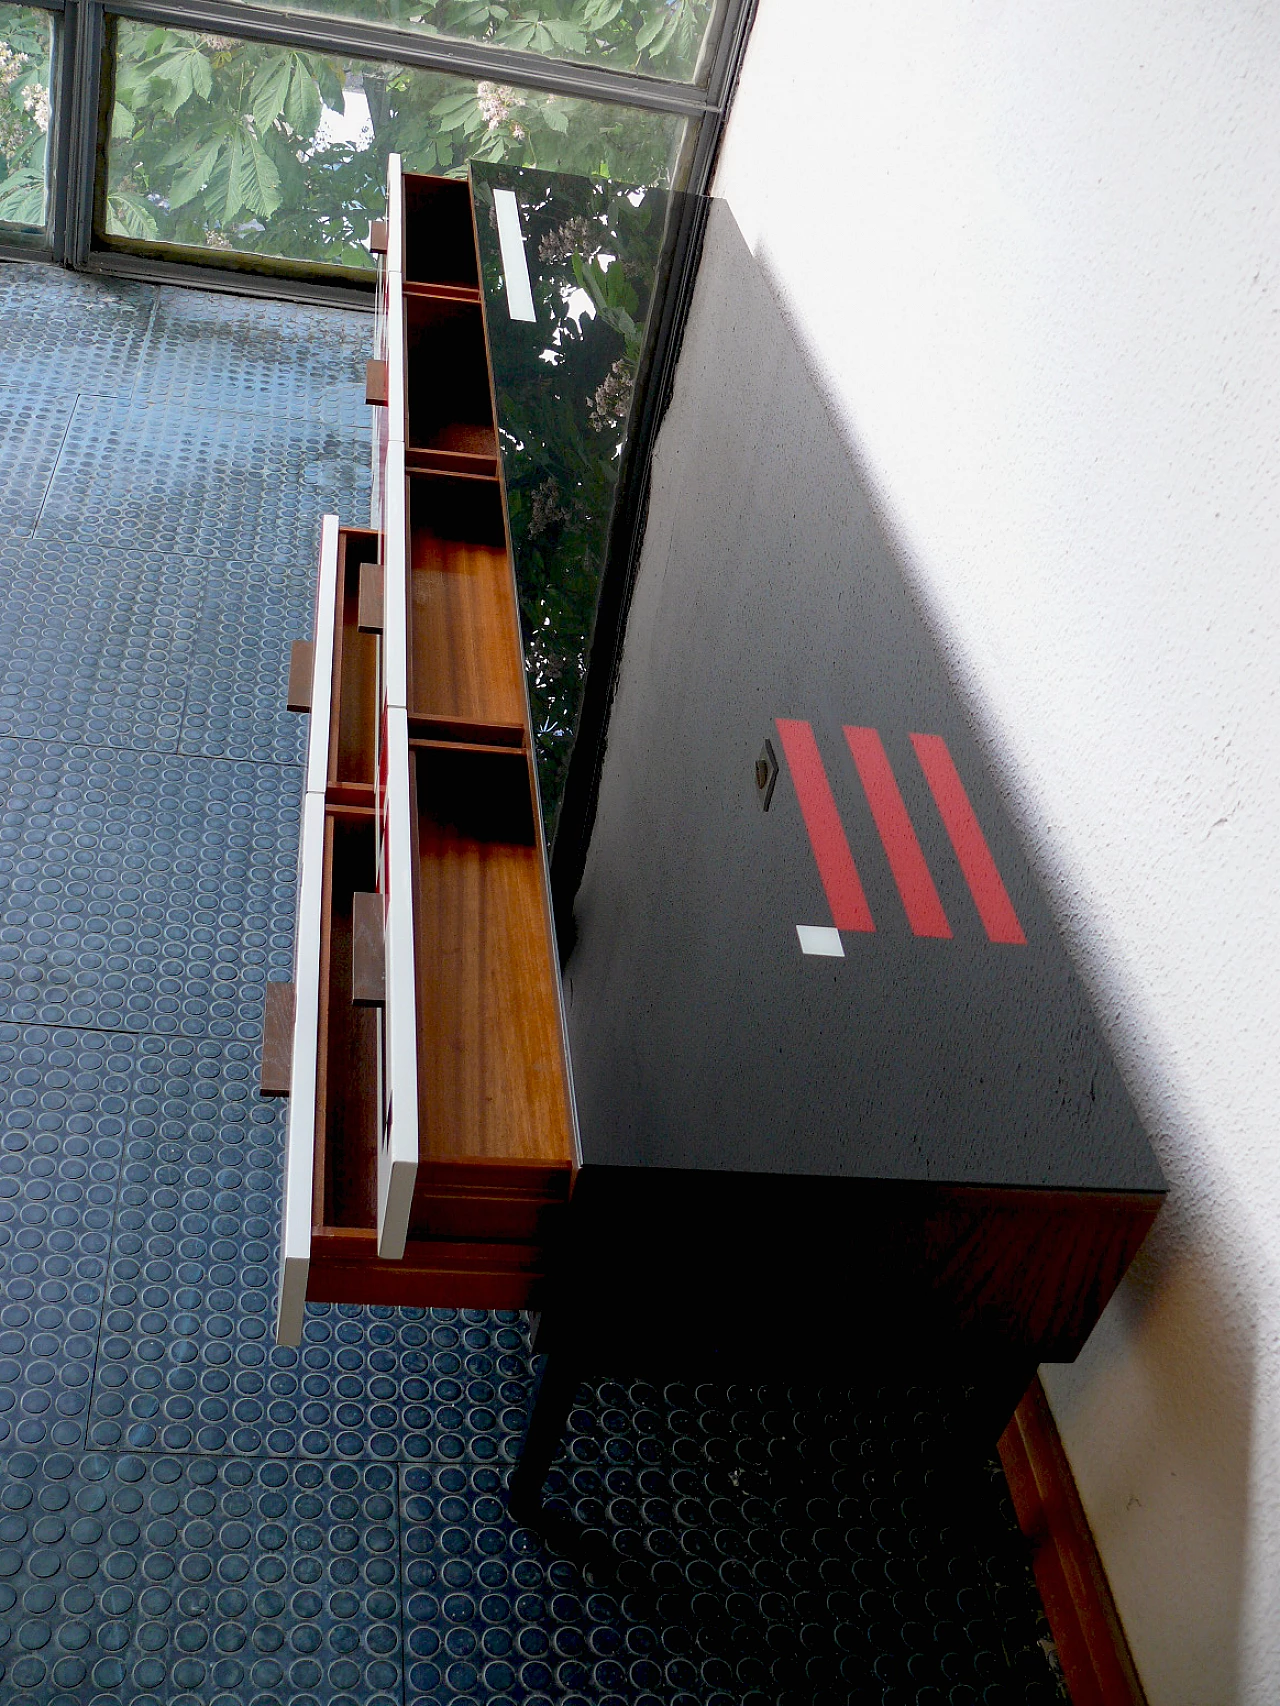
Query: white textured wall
x,y
1033,251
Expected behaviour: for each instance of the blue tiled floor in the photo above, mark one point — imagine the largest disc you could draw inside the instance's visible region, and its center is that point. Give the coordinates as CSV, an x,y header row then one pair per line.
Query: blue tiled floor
x,y
189,1517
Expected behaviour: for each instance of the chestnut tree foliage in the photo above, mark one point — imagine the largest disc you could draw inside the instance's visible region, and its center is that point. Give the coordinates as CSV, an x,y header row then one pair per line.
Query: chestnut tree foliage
x,y
235,145
25,52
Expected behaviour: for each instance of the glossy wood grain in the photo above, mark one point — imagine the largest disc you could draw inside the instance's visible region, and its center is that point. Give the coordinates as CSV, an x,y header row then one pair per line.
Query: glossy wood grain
x,y
353,732
347,1119
1096,1662
492,1083
464,660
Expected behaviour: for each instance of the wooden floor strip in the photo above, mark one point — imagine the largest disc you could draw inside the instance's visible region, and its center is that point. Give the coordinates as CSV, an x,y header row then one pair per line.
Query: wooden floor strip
x,y
1092,1648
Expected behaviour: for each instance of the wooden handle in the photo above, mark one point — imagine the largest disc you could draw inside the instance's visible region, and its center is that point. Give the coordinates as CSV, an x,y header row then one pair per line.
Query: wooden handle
x,y
302,668
277,1040
375,382
368,959
369,600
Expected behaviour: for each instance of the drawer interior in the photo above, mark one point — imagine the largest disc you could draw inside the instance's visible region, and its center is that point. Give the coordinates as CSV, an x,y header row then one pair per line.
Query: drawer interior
x,y
439,237
353,718
464,642
347,1109
450,406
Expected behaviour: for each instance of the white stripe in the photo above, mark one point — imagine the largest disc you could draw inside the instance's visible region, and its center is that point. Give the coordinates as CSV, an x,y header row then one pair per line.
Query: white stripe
x,y
820,939
299,1164
395,583
395,213
515,267
322,671
398,1147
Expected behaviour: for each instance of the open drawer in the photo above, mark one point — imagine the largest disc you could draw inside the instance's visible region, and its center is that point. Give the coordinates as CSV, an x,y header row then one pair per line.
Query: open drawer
x,y
424,952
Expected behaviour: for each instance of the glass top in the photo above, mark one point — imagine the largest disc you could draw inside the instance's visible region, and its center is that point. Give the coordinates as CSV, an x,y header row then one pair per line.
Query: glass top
x,y
573,427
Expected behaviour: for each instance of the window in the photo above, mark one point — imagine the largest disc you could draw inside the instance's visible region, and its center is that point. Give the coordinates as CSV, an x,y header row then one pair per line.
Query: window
x,y
26,82
663,38
254,136
254,148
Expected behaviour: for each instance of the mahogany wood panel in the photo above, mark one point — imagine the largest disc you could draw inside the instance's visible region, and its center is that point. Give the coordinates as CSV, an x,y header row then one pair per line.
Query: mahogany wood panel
x,y
450,407
302,657
458,729
439,233
277,1039
433,1273
479,462
492,1083
1035,1267
368,958
486,1216
369,599
1092,1648
966,1276
496,1123
348,1037
375,382
353,730
444,292
464,660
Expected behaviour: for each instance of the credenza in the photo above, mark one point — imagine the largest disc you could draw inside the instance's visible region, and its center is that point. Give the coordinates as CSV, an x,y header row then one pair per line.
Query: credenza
x,y
668,962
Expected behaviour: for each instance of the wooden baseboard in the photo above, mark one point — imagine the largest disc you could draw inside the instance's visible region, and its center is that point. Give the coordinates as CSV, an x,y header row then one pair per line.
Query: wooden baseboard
x,y
1094,1654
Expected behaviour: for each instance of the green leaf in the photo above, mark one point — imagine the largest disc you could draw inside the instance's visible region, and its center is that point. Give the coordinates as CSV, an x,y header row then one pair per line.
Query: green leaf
x,y
269,88
189,183
121,121
454,107
22,198
651,31
672,28
129,216
555,118
565,35
253,181
185,70
303,105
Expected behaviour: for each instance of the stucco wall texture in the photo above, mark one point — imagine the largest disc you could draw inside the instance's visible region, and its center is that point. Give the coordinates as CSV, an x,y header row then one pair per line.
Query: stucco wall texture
x,y
1032,253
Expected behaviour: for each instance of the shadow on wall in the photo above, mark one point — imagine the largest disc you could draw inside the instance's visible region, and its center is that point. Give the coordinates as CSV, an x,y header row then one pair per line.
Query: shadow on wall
x,y
1157,1413
1157,1416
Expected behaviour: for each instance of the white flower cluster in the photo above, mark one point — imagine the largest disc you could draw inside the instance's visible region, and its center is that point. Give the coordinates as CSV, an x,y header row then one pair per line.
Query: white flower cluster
x,y
574,237
613,397
13,133
11,63
497,102
35,100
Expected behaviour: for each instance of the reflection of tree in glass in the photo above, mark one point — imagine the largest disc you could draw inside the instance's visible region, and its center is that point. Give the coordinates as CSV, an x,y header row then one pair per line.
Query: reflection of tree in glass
x,y
564,402
25,49
663,37
226,144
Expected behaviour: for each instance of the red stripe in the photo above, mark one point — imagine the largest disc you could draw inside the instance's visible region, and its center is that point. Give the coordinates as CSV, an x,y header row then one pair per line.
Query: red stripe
x,y
989,894
849,909
906,861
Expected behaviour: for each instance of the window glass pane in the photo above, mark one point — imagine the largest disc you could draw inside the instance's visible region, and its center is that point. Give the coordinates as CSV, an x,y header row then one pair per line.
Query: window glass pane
x,y
663,38
223,144
26,75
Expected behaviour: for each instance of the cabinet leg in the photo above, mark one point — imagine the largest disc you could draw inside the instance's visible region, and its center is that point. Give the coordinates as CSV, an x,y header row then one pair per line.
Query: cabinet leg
x,y
548,1416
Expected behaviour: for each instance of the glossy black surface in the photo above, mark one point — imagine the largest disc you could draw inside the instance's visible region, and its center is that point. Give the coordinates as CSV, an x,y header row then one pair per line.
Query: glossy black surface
x,y
186,1514
576,393
702,1037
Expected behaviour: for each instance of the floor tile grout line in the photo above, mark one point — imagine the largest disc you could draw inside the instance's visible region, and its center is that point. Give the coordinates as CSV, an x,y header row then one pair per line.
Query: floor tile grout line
x,y
115,1031
53,470
158,752
146,343
401,1584
106,1289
